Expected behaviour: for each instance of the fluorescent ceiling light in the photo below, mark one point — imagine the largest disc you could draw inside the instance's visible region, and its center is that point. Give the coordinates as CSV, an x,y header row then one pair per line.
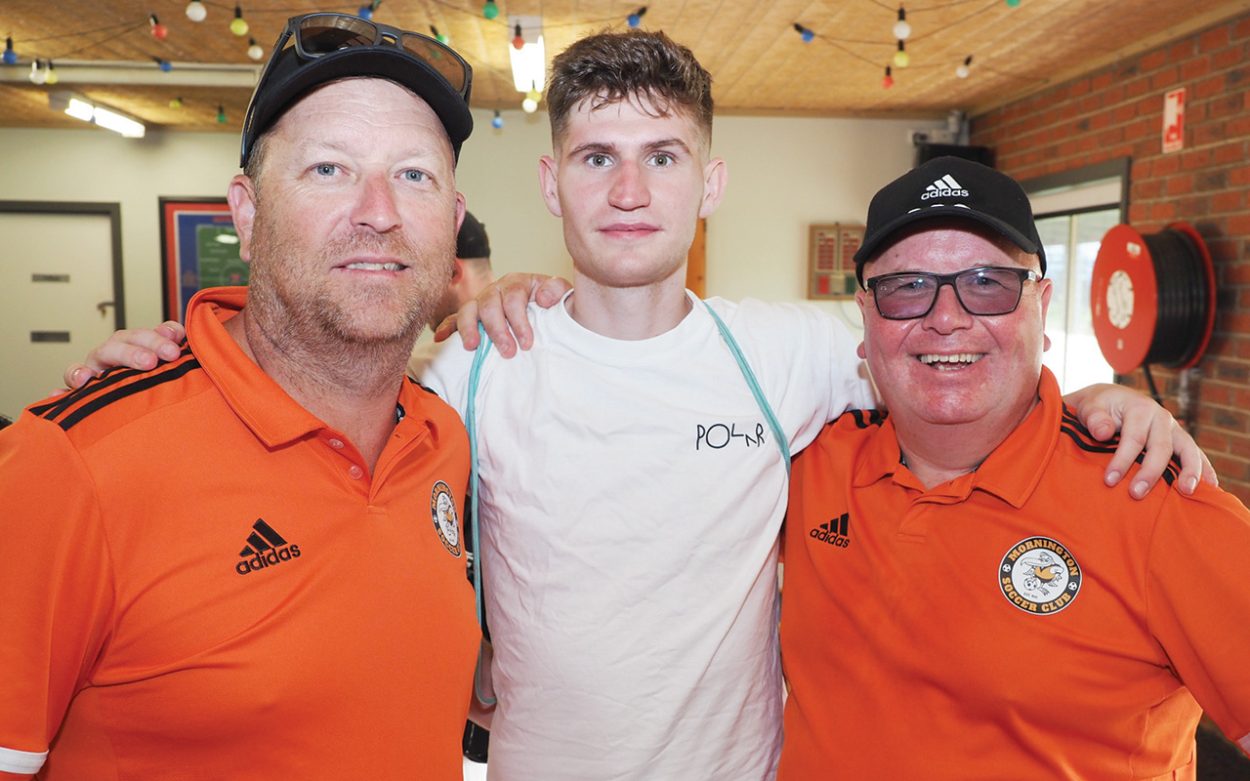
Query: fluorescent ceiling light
x,y
529,63
118,123
80,109
107,118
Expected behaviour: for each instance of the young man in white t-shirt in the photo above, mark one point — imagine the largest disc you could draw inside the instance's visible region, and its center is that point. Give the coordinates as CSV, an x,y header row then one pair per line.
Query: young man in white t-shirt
x,y
632,483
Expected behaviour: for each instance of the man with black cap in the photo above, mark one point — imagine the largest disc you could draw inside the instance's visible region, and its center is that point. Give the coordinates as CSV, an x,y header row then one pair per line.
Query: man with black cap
x,y
963,599
286,596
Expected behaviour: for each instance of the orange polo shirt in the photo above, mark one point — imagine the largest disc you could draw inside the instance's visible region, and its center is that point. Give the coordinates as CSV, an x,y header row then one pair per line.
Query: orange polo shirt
x,y
203,581
1022,621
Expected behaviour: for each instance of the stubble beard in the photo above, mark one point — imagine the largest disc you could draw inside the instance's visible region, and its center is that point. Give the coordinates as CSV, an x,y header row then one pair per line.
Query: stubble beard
x,y
340,329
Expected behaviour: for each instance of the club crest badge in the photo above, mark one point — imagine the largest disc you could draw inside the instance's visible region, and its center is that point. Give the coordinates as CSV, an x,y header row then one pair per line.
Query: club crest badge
x,y
443,510
1039,575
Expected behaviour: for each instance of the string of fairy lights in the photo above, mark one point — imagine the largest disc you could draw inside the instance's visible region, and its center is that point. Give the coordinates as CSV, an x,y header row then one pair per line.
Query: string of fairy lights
x,y
43,69
902,32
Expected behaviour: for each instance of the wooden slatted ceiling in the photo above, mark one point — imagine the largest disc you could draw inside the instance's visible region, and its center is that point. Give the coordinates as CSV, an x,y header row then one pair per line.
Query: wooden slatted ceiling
x,y
758,62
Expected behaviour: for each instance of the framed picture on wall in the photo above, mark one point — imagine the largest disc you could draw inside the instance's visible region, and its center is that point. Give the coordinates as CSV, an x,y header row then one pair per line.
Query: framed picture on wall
x,y
831,259
199,248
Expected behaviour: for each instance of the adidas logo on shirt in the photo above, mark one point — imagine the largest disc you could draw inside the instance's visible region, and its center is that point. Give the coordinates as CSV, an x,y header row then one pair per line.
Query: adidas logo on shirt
x,y
946,187
265,548
837,532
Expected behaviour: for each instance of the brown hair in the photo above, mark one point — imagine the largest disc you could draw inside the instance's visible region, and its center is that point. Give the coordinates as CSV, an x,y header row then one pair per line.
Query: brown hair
x,y
610,67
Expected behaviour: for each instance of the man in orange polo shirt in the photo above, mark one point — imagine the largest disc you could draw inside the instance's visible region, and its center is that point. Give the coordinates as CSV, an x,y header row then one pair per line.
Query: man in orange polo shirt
x,y
284,596
963,598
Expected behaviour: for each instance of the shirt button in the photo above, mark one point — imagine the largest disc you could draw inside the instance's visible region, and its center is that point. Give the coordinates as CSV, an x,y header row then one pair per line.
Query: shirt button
x,y
356,472
337,444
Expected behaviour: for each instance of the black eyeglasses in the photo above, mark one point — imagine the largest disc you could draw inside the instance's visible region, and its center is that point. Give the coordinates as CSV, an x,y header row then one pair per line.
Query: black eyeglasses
x,y
316,35
986,291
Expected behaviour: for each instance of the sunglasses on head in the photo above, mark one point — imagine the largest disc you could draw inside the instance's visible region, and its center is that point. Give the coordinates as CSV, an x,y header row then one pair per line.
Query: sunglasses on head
x,y
318,34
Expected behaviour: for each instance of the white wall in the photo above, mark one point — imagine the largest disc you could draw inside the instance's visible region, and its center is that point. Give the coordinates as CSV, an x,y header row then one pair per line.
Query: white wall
x,y
97,165
783,174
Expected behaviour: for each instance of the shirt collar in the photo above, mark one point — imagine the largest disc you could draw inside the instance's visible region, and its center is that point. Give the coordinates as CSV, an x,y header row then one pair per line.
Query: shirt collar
x,y
260,402
1011,472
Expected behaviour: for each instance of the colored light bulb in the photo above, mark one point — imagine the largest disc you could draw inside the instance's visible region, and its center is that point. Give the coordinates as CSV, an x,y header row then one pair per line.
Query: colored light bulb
x,y
490,10
196,11
901,28
238,25
497,121
901,58
158,30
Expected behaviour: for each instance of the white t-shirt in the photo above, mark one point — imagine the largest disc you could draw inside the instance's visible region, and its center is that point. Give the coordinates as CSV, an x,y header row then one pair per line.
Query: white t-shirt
x,y
631,497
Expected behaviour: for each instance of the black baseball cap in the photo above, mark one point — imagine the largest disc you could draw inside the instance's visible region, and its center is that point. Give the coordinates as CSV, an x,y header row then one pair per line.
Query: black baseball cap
x,y
950,187
472,241
315,49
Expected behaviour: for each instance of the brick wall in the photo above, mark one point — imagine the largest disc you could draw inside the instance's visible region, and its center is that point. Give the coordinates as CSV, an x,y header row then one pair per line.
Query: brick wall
x,y
1118,112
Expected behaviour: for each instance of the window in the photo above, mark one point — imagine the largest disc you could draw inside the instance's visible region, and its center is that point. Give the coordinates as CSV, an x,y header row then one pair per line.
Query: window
x,y
1074,210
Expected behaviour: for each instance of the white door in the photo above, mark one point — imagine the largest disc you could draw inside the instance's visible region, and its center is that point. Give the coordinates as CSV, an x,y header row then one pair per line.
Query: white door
x,y
56,299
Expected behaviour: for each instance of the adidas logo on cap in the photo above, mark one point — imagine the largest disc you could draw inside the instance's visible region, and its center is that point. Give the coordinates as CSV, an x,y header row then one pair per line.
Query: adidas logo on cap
x,y
949,187
946,187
